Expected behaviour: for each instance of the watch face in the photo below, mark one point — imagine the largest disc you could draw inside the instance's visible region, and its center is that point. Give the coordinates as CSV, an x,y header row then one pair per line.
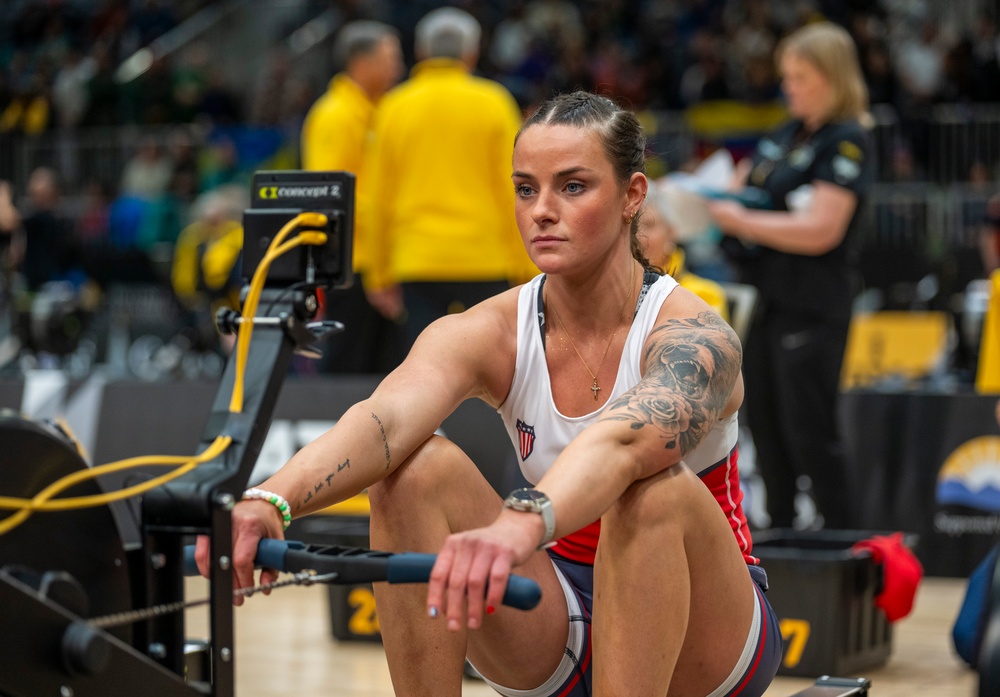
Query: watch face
x,y
527,495
526,500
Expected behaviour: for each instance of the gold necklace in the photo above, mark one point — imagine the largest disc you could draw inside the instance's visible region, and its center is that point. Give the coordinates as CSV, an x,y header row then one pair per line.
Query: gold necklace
x,y
621,315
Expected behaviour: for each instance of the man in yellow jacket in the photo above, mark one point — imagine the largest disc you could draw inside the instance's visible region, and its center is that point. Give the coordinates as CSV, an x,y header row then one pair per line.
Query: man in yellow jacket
x,y
440,167
334,136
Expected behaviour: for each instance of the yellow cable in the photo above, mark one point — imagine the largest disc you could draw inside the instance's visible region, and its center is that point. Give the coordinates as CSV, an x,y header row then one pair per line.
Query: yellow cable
x,y
275,249
249,309
43,500
9,502
252,299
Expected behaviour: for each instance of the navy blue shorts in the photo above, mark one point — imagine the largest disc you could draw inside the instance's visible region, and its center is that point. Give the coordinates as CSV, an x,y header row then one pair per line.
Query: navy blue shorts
x,y
750,677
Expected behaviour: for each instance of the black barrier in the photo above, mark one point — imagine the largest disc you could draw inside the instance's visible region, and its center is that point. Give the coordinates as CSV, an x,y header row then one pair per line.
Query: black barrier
x,y
927,463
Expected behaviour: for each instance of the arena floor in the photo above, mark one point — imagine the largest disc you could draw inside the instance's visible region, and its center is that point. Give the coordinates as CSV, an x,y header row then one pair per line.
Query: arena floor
x,y
284,647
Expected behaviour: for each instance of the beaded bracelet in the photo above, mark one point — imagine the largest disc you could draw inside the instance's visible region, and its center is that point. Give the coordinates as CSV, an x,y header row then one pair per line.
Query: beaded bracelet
x,y
279,502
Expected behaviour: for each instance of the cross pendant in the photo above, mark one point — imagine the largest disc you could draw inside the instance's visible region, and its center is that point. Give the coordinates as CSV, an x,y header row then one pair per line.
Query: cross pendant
x,y
595,389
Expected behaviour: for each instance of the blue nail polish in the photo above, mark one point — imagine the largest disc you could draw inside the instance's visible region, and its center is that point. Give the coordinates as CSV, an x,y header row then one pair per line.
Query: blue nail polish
x,y
433,612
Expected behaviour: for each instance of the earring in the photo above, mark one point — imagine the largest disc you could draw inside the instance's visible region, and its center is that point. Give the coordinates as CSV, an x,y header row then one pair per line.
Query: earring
x,y
631,218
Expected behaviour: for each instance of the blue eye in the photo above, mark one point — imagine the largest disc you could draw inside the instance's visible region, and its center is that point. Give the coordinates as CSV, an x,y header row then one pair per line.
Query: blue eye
x,y
522,190
574,187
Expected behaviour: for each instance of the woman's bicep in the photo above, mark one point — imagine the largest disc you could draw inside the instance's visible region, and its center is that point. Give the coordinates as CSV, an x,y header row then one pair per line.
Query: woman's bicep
x,y
691,367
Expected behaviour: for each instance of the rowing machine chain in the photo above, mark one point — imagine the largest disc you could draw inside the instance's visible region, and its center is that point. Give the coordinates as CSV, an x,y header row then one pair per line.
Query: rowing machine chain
x,y
303,578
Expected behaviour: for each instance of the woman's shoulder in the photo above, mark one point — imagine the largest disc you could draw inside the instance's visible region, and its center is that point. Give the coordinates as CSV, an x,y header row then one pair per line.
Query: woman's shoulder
x,y
475,348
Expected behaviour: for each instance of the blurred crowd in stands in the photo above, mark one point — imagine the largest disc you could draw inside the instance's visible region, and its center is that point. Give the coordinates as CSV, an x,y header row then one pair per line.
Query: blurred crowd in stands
x,y
180,125
59,59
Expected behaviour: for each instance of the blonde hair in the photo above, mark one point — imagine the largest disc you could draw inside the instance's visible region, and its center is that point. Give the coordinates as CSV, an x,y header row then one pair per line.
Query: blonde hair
x,y
831,50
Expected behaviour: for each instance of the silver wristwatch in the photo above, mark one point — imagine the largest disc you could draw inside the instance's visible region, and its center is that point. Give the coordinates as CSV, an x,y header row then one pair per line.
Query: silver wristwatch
x,y
534,501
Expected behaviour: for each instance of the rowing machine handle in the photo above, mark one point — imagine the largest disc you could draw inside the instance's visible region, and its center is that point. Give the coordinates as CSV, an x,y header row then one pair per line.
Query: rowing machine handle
x,y
406,567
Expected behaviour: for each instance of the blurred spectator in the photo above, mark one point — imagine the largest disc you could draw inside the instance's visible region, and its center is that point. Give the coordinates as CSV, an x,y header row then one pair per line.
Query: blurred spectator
x,y
883,86
614,73
920,63
94,217
817,171
958,82
50,250
166,183
440,170
512,39
30,110
205,272
10,249
219,105
55,41
69,92
148,172
334,136
271,94
10,217
572,72
705,79
300,97
152,94
11,245
760,81
184,175
21,71
904,164
190,79
964,261
108,24
220,163
559,21
126,217
986,58
104,96
535,48
752,34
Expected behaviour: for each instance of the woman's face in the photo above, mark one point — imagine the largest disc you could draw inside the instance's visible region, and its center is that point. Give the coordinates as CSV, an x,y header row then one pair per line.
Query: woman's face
x,y
808,91
569,206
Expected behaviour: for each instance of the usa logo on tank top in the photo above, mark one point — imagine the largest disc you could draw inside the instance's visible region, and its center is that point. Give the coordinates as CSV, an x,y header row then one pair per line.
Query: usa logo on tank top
x,y
526,438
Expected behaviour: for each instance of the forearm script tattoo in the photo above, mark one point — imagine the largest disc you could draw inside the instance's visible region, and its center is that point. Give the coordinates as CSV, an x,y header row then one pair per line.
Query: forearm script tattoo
x,y
385,441
346,464
326,481
691,366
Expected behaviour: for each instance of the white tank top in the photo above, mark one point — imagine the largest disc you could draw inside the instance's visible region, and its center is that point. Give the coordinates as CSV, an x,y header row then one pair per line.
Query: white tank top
x,y
539,431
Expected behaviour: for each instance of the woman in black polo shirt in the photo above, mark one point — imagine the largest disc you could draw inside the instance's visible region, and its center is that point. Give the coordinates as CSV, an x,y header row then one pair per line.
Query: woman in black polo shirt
x,y
817,169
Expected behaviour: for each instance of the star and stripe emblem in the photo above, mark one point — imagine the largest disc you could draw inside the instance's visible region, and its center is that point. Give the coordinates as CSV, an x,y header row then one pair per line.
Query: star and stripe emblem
x,y
525,439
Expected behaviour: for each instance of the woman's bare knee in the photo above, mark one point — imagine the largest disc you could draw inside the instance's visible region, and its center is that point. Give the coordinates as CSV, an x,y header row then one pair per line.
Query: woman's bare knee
x,y
655,501
418,475
437,490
